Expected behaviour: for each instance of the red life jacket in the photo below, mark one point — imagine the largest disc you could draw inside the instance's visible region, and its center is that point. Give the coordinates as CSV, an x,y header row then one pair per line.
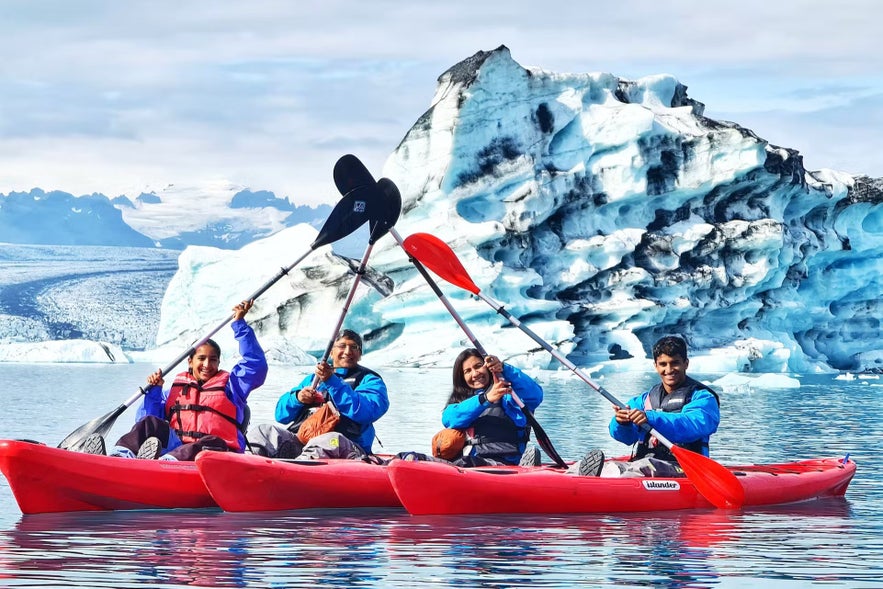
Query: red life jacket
x,y
195,410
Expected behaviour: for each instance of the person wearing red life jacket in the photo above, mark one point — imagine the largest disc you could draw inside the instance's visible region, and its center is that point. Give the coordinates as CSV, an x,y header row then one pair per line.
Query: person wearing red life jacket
x,y
205,408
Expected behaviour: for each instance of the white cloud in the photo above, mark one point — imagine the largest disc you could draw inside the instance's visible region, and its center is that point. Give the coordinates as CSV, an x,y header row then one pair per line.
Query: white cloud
x,y
118,98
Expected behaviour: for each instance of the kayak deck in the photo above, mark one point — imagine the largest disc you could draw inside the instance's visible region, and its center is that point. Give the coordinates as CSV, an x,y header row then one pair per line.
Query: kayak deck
x,y
431,488
45,479
245,482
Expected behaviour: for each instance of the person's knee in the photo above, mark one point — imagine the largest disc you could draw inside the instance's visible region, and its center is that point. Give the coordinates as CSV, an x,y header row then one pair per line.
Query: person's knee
x,y
267,439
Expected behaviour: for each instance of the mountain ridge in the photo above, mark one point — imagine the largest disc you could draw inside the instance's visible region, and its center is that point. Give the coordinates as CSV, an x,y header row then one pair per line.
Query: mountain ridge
x,y
56,217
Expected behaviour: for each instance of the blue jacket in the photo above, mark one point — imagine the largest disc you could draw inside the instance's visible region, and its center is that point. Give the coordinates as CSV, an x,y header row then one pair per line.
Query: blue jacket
x,y
364,405
462,415
248,374
697,420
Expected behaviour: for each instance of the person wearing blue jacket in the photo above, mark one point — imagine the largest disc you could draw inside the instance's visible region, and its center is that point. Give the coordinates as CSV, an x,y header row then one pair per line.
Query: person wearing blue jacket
x,y
356,393
205,407
481,403
684,410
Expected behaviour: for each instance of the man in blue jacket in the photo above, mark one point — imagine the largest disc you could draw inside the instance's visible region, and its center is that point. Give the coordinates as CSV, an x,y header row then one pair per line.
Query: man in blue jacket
x,y
357,394
679,407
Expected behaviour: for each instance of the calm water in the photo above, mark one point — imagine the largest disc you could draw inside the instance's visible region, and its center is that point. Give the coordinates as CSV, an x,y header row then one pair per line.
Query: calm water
x,y
830,543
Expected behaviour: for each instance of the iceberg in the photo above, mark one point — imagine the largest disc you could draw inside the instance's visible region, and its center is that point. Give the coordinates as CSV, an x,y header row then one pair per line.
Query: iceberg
x,y
603,213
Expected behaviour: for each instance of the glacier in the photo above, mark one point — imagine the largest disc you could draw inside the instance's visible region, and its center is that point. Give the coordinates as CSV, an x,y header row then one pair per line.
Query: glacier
x,y
603,212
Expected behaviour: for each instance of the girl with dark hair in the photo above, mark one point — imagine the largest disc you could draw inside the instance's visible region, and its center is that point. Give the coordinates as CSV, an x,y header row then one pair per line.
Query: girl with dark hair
x,y
481,404
204,409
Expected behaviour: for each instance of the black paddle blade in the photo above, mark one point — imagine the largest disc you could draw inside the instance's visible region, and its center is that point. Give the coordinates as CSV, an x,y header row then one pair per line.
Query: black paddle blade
x,y
543,439
351,212
99,425
390,209
350,173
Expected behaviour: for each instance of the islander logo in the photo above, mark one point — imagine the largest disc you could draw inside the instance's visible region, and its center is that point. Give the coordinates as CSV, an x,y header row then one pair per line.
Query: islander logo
x,y
652,485
359,206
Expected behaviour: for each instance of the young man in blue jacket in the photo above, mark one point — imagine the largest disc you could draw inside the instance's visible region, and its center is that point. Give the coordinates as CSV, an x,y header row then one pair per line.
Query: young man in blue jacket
x,y
682,409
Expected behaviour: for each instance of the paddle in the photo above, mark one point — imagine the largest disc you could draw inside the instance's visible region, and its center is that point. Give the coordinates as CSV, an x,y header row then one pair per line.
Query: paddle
x,y
714,481
349,173
350,213
389,209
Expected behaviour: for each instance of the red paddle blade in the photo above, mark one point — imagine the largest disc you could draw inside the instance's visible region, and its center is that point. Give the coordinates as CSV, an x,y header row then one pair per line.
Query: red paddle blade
x,y
436,255
713,480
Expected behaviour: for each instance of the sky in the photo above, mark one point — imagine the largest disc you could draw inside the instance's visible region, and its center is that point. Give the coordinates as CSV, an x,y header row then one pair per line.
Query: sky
x,y
139,96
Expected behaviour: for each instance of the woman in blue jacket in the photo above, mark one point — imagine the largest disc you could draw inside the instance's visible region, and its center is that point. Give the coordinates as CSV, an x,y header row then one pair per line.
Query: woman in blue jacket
x,y
481,404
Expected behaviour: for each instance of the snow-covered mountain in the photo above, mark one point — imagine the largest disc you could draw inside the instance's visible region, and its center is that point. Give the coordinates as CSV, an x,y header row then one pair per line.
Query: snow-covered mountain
x,y
603,212
220,215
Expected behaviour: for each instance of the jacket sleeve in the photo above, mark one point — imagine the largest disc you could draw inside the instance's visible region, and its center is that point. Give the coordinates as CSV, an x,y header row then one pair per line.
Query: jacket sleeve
x,y
288,408
697,420
524,386
364,405
154,403
628,433
461,415
250,372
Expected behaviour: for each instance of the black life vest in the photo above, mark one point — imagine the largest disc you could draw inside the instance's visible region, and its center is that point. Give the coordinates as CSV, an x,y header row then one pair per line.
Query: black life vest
x,y
346,426
494,435
673,402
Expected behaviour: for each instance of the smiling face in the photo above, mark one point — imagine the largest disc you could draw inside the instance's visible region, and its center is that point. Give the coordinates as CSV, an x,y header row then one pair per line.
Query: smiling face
x,y
475,373
346,353
672,370
205,362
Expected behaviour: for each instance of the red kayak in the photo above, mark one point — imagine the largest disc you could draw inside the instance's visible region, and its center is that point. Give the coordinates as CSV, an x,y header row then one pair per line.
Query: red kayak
x,y
435,488
45,479
245,482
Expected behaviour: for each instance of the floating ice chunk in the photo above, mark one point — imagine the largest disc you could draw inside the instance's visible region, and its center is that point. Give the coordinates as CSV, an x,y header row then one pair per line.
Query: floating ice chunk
x,y
63,351
744,383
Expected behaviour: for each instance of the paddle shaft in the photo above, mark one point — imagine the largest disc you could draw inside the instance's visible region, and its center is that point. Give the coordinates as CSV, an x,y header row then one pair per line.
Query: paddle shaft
x,y
346,306
570,365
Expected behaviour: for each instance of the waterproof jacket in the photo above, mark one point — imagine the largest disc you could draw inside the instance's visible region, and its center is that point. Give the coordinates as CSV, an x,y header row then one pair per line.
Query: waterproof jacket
x,y
248,374
691,426
470,412
363,405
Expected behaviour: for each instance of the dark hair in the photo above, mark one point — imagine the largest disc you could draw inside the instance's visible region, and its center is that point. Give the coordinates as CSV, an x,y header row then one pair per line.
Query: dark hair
x,y
208,342
349,334
462,390
670,345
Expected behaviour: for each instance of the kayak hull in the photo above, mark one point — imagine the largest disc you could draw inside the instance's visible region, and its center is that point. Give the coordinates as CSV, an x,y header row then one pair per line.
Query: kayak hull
x,y
244,482
45,479
431,488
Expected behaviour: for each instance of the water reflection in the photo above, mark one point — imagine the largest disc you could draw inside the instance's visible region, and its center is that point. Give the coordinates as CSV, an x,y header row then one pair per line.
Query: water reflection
x,y
386,548
194,548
